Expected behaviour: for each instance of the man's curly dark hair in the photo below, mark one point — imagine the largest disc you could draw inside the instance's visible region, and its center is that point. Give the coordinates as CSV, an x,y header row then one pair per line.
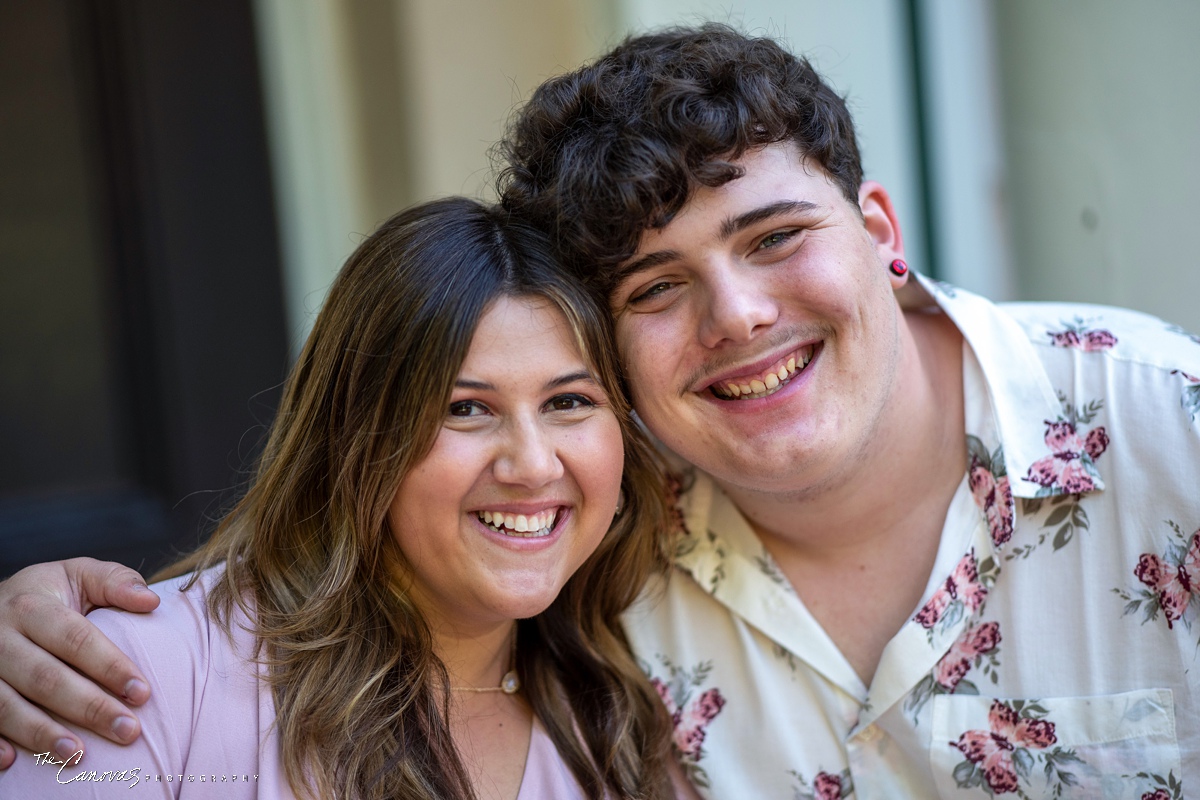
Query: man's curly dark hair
x,y
603,153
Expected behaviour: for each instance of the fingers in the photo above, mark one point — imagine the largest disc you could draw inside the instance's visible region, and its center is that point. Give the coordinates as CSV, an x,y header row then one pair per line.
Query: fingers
x,y
34,676
76,641
36,631
51,620
32,728
7,755
103,584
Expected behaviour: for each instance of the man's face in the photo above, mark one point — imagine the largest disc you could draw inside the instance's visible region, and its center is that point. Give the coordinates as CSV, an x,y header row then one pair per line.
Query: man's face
x,y
759,328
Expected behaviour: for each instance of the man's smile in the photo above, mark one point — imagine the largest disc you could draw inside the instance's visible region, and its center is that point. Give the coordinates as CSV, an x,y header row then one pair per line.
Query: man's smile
x,y
764,382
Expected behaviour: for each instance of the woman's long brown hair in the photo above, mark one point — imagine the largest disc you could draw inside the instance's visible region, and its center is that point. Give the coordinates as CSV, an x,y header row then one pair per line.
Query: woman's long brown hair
x,y
361,698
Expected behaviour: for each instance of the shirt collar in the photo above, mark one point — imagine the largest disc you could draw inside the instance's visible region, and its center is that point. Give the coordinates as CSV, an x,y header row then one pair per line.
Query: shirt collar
x,y
1023,401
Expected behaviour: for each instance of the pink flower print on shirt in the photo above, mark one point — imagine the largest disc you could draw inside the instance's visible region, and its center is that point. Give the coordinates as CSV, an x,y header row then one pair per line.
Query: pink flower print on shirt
x,y
691,721
1158,794
1069,469
690,716
1174,585
1081,337
989,484
957,662
1014,732
825,786
1170,581
977,648
995,498
962,591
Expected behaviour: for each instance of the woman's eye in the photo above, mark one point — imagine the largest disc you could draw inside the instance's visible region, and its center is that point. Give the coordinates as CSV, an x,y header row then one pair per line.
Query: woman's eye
x,y
569,402
465,408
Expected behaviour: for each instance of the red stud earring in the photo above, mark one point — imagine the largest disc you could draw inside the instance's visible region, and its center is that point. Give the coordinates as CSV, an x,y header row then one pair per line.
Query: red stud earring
x,y
899,268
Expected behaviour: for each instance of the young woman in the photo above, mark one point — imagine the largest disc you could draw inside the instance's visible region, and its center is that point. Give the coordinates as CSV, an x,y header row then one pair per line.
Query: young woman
x,y
419,594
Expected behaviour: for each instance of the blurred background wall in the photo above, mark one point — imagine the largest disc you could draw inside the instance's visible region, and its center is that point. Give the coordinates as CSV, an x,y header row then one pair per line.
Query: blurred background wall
x,y
180,182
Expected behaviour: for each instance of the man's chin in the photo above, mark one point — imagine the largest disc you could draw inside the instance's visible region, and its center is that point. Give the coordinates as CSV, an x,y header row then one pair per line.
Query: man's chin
x,y
772,467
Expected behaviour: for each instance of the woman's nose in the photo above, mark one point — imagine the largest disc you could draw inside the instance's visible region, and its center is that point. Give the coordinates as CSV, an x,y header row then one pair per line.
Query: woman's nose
x,y
529,456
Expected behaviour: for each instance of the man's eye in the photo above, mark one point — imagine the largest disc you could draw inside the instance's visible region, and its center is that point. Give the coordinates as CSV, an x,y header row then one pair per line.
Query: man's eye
x,y
652,291
775,239
569,402
465,408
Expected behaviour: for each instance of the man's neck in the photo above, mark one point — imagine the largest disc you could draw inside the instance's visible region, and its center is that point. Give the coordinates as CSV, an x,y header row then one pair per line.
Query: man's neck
x,y
859,547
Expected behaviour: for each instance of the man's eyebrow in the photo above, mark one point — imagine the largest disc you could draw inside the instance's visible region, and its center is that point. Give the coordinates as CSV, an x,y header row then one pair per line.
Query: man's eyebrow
x,y
728,228
742,221
646,262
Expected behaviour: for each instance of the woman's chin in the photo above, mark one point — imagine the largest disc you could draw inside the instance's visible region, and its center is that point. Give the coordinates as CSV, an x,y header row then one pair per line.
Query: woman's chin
x,y
486,610
528,605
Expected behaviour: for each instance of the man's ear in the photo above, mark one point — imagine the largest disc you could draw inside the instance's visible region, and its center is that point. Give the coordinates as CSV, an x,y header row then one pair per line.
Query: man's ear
x,y
881,222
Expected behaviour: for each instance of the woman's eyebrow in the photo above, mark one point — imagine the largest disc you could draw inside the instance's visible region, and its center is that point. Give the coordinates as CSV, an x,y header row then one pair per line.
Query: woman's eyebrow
x,y
572,377
554,383
480,386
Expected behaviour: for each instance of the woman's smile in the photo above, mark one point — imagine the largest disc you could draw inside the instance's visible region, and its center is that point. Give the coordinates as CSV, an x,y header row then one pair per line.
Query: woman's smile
x,y
535,525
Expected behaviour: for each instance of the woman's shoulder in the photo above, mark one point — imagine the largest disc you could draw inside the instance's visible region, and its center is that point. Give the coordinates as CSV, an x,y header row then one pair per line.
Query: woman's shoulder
x,y
181,631
208,717
191,660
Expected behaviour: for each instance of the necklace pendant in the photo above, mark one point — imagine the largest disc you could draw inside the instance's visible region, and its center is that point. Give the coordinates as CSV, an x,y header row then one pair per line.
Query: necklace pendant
x,y
510,683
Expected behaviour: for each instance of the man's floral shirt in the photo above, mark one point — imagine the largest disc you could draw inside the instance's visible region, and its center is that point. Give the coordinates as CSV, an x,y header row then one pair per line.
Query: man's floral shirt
x,y
1056,650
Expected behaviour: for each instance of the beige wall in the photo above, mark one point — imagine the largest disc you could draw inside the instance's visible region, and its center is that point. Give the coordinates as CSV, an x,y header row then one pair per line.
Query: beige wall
x,y
377,104
467,64
1103,130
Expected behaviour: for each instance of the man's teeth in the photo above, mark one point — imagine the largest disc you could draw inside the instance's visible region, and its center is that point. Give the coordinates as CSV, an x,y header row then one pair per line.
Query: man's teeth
x,y
527,525
768,383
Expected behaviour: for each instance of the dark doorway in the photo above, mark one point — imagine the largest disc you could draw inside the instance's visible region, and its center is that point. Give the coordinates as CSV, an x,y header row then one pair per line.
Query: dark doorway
x,y
142,334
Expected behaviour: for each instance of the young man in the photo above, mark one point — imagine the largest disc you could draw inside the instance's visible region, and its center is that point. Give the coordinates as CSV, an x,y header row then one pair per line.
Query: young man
x,y
931,546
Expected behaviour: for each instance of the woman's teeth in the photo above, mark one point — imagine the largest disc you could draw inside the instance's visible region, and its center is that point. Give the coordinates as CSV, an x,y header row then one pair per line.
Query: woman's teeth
x,y
522,525
767,383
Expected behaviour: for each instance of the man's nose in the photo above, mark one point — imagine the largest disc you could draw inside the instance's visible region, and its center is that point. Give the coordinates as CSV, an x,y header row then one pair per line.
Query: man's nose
x,y
528,456
739,305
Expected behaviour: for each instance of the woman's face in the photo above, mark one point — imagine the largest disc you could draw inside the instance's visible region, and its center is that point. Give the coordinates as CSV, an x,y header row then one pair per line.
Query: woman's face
x,y
522,481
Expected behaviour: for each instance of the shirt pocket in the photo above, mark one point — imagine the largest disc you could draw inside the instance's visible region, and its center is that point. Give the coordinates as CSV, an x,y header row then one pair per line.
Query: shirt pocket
x,y
1112,746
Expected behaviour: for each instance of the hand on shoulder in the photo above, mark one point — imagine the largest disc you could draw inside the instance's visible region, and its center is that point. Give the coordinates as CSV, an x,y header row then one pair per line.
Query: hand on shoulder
x,y
43,634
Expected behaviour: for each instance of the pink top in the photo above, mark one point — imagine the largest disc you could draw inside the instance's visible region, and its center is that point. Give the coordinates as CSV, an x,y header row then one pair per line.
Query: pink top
x,y
208,721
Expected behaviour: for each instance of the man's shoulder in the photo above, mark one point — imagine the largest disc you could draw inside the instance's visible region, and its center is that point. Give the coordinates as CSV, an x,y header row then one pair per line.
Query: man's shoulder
x,y
1120,333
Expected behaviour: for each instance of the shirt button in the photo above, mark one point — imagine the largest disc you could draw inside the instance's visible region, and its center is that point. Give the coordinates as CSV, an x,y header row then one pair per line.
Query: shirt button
x,y
868,734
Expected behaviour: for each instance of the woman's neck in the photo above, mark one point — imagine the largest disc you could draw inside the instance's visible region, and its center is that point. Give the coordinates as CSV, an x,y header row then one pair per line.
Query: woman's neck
x,y
491,729
479,659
